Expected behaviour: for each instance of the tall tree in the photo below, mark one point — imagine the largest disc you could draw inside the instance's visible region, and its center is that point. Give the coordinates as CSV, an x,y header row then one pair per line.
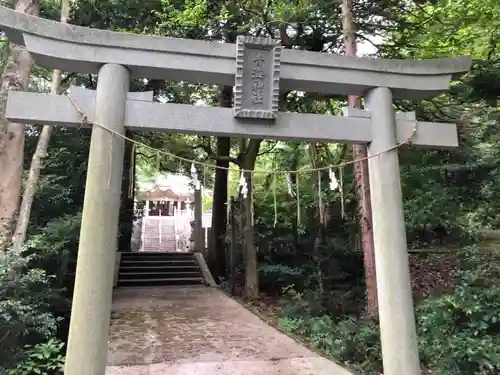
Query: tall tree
x,y
216,255
15,77
40,152
249,150
361,173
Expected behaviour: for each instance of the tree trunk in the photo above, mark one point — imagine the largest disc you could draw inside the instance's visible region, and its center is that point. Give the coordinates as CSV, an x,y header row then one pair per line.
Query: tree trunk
x,y
216,253
36,161
232,247
15,77
216,246
361,176
126,223
251,272
322,222
294,211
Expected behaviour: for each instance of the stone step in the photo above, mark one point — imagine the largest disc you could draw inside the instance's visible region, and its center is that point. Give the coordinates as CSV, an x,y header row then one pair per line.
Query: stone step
x,y
157,245
126,276
155,255
148,263
154,245
159,268
160,251
154,228
161,281
157,234
163,237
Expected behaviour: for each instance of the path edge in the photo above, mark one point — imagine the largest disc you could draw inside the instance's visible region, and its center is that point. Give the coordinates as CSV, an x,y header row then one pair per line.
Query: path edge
x,y
205,271
293,336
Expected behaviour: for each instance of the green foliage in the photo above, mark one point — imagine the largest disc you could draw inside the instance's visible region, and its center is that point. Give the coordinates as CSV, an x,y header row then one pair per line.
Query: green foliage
x,y
302,305
320,271
58,235
352,341
453,189
274,277
331,282
459,333
26,298
62,183
447,28
45,358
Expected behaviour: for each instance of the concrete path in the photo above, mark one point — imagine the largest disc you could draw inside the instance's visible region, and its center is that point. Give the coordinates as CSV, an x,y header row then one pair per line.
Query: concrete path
x,y
200,331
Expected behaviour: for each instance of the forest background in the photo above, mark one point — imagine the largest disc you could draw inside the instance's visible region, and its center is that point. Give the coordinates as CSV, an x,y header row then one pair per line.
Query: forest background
x,y
314,277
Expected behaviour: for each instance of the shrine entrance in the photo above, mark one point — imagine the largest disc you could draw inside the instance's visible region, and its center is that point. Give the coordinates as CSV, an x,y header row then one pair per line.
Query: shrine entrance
x,y
168,195
259,70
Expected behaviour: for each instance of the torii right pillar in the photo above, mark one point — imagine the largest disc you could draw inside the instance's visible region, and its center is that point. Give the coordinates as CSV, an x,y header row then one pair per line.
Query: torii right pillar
x,y
396,314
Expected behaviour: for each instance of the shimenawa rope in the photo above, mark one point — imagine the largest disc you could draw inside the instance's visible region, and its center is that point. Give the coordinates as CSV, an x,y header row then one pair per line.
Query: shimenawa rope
x,y
86,121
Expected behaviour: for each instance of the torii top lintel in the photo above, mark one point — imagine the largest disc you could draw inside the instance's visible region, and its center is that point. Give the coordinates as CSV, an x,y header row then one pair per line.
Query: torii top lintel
x,y
80,49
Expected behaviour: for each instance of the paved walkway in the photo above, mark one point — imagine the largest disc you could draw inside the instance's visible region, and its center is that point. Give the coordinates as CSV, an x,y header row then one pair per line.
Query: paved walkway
x,y
200,331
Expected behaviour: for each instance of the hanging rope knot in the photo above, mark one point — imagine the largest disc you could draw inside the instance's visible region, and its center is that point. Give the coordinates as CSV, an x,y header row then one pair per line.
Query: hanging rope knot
x,y
409,141
83,122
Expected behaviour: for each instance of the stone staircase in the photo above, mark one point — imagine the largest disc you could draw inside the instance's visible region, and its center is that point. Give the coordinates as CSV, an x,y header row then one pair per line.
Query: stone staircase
x,y
159,268
158,234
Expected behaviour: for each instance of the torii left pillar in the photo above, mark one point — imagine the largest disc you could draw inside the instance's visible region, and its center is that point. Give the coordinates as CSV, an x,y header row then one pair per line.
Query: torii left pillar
x,y
91,309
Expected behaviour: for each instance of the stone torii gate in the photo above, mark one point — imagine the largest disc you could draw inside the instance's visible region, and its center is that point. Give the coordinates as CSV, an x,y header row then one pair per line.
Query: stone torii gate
x,y
259,70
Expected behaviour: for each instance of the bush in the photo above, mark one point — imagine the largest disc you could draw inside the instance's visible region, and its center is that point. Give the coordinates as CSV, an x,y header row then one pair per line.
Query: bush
x,y
44,359
459,332
26,298
58,236
303,305
274,277
352,341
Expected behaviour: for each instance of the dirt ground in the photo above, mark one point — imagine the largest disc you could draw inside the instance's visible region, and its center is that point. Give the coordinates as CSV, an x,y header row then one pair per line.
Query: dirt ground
x,y
200,331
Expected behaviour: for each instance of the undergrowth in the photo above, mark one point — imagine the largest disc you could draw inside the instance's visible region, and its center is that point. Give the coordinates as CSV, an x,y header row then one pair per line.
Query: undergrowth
x,y
459,332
